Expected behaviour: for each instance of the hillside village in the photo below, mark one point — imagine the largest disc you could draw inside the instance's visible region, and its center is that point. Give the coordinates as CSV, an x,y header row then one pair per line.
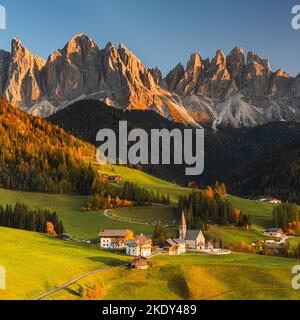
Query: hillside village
x,y
142,246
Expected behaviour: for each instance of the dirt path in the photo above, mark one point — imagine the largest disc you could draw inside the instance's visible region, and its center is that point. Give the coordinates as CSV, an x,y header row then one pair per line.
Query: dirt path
x,y
75,280
107,215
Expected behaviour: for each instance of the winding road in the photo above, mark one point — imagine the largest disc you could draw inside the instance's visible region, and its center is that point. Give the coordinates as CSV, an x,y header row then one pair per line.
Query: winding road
x,y
107,215
74,281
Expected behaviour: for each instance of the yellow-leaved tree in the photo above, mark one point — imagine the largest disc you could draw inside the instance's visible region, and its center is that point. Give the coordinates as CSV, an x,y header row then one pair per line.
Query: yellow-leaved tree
x,y
50,229
129,235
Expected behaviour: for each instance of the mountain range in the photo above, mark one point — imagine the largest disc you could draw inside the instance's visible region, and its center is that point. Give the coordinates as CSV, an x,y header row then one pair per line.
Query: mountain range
x,y
236,90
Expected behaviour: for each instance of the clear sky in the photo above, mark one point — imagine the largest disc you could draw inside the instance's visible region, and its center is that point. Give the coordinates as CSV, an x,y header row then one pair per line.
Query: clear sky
x,y
160,32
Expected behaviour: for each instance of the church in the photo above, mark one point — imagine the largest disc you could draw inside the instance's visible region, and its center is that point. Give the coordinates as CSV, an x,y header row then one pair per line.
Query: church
x,y
193,239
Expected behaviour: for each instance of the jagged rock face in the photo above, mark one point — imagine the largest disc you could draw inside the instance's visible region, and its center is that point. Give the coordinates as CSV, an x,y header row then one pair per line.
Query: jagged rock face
x,y
174,76
295,90
4,65
23,86
257,75
236,65
224,91
229,91
219,77
157,76
193,75
73,71
280,84
136,86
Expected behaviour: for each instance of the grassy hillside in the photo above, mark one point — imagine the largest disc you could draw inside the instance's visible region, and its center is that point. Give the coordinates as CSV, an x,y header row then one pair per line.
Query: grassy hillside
x,y
147,215
87,224
35,263
260,212
80,224
233,235
145,180
237,276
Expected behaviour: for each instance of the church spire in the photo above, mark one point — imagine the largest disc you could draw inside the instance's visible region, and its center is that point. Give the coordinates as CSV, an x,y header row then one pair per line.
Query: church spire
x,y
182,227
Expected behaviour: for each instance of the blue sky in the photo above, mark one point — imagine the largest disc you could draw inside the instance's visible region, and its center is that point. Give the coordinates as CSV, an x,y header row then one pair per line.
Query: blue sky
x,y
160,32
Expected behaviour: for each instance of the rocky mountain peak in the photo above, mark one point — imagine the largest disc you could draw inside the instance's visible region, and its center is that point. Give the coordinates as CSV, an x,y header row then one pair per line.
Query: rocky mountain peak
x,y
224,91
4,65
79,43
281,73
23,86
236,64
19,53
236,58
157,76
219,59
174,76
194,64
218,67
193,74
261,64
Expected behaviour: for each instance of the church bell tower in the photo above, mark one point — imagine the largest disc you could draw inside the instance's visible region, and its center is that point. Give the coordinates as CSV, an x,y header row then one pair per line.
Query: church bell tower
x,y
182,227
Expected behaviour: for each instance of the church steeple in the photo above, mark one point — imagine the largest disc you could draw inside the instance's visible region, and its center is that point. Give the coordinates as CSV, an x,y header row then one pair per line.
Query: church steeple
x,y
182,227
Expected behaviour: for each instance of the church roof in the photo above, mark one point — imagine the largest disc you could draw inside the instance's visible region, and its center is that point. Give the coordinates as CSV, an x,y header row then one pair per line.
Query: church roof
x,y
192,234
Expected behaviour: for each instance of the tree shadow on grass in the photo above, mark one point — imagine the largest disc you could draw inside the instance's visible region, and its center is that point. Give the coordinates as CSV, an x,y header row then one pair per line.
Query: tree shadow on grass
x,y
72,292
179,287
176,281
110,262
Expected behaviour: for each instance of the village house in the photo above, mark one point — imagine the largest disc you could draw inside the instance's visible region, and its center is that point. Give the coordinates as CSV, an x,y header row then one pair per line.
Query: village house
x,y
269,199
113,239
139,246
193,239
114,179
274,233
140,263
174,246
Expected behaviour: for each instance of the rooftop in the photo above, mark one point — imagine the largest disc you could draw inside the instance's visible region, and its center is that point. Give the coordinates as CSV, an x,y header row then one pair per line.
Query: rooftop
x,y
192,234
113,233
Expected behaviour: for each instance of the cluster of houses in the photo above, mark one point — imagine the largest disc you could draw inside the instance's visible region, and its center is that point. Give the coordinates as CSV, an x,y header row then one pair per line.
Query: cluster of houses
x,y
269,199
140,246
274,233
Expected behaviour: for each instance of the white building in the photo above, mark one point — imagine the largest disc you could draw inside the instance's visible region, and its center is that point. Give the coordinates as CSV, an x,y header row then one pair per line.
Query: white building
x,y
140,246
112,239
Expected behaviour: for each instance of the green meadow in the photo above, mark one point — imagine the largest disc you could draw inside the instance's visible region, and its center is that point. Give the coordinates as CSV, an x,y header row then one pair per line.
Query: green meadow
x,y
197,276
86,225
36,263
146,181
80,224
260,212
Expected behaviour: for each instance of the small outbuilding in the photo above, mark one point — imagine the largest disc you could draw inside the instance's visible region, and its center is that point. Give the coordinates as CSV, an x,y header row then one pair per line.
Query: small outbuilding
x,y
140,263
